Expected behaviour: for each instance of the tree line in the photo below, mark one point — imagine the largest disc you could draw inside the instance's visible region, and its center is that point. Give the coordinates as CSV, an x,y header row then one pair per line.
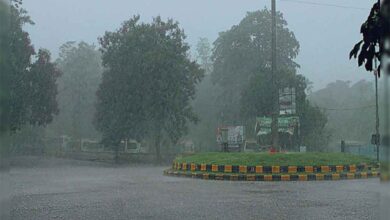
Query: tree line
x,y
141,82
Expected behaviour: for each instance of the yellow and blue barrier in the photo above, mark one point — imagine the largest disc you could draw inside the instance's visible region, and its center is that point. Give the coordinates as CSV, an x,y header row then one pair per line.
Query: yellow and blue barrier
x,y
273,177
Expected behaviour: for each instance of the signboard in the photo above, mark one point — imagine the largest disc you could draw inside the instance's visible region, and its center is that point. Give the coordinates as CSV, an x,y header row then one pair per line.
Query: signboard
x,y
375,139
285,125
231,135
287,101
236,135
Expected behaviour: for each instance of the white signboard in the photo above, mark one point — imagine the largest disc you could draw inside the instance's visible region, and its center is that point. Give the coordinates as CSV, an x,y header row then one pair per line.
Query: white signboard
x,y
236,134
231,135
287,101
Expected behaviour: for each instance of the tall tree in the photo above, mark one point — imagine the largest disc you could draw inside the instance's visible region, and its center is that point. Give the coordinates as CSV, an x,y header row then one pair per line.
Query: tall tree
x,y
81,66
242,67
148,85
32,85
5,50
28,86
244,51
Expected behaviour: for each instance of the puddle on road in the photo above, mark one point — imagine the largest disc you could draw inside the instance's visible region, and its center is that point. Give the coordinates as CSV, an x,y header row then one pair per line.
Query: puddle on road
x,y
266,191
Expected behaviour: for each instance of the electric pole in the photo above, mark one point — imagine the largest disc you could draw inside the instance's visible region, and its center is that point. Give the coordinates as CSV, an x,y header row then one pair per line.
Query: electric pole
x,y
377,135
275,92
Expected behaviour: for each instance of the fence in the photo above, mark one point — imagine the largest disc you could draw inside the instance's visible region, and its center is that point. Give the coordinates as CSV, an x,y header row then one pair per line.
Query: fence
x,y
367,150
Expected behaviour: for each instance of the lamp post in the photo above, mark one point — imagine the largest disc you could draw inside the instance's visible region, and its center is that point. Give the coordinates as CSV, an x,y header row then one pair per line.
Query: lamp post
x,y
275,89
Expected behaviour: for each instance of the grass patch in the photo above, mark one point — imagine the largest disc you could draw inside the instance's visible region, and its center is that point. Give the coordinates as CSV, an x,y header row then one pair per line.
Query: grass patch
x,y
279,159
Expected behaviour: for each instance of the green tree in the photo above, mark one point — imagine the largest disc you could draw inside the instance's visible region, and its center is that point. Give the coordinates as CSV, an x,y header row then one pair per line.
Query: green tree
x,y
32,85
28,79
313,131
5,50
375,30
204,52
257,101
148,85
242,67
245,51
256,97
80,64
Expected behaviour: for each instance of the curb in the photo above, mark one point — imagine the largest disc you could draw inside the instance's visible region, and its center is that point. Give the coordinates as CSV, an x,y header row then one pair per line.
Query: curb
x,y
270,169
273,177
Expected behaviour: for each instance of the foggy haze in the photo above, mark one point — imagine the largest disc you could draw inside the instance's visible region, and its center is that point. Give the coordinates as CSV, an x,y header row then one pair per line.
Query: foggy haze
x,y
258,109
59,21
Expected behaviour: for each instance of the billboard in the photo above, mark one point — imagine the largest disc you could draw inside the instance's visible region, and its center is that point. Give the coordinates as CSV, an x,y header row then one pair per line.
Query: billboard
x,y
287,101
285,125
231,135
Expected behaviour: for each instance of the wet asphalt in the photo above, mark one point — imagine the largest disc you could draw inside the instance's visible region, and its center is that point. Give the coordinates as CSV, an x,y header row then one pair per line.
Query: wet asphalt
x,y
66,189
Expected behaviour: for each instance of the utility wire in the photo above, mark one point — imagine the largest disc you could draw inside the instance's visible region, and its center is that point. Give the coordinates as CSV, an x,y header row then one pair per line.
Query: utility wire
x,y
324,4
326,109
348,109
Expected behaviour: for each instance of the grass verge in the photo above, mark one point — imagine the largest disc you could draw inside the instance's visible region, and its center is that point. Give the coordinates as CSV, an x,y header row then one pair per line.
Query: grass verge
x,y
278,159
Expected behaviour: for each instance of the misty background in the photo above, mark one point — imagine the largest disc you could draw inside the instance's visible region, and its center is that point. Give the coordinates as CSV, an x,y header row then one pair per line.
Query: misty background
x,y
325,30
117,81
323,54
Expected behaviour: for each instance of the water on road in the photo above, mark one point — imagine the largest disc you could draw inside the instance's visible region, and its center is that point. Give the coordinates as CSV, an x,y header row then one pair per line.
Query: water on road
x,y
65,189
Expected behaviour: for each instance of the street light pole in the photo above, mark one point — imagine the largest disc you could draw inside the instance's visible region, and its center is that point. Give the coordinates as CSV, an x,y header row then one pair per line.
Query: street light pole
x,y
275,92
377,137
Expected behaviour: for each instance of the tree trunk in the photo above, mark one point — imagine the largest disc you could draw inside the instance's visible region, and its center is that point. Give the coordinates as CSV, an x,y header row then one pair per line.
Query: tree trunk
x,y
157,146
117,154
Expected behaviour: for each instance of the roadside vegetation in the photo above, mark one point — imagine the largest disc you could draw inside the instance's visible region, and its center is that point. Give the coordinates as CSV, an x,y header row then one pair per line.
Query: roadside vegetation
x,y
143,83
278,159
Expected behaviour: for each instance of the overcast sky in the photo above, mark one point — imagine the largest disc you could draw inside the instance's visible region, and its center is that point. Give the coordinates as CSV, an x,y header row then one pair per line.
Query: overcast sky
x,y
326,33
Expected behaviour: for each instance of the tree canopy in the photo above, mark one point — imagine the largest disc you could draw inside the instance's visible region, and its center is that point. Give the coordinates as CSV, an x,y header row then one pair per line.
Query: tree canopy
x,y
374,31
4,65
244,51
242,68
81,66
148,84
31,89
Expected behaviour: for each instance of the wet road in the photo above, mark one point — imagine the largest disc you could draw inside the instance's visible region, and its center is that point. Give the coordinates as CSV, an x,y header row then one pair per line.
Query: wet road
x,y
63,189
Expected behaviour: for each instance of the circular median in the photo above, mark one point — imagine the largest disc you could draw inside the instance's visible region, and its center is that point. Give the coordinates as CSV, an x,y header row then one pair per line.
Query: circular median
x,y
273,167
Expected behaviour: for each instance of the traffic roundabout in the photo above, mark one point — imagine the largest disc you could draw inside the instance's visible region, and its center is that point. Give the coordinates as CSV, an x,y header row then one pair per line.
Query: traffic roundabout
x,y
273,167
